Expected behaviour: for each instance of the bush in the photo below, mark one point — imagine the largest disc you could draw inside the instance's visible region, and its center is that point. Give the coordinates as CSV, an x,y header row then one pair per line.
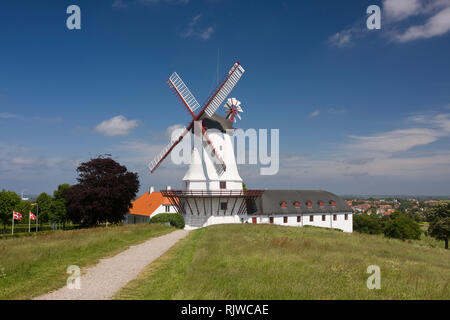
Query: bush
x,y
175,219
402,227
371,224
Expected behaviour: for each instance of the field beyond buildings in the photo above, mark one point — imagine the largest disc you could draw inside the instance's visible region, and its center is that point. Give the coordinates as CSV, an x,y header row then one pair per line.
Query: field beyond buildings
x,y
276,262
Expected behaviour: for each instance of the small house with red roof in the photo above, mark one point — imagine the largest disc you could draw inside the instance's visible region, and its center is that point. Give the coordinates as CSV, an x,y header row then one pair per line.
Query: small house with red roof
x,y
147,206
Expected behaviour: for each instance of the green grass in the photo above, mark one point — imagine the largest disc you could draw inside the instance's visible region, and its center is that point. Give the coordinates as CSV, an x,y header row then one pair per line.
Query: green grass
x,y
275,262
31,266
21,230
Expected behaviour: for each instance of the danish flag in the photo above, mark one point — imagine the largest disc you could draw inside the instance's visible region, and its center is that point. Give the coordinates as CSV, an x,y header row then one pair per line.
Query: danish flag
x,y
32,216
17,215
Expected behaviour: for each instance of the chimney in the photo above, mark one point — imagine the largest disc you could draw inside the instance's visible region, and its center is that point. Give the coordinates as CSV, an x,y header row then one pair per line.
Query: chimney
x,y
168,188
151,190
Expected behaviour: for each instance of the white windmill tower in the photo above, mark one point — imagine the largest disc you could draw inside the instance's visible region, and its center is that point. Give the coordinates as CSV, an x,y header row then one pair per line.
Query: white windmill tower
x,y
213,190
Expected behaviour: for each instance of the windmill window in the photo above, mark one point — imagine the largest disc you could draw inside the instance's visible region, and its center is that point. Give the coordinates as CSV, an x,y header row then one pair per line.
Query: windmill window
x,y
223,206
346,216
223,184
167,207
321,203
271,220
334,217
283,204
297,204
309,204
311,218
285,219
299,219
323,217
333,204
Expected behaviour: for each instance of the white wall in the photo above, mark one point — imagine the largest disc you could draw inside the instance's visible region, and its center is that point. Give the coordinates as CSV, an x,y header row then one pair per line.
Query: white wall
x,y
340,223
162,209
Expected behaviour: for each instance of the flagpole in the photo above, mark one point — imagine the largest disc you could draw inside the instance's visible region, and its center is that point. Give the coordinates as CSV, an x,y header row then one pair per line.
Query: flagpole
x,y
37,216
12,229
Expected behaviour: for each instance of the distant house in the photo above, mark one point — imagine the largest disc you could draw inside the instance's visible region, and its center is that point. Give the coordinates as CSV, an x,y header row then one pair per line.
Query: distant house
x,y
147,206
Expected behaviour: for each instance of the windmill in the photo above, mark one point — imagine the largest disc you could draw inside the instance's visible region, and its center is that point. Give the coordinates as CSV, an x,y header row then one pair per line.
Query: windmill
x,y
201,118
233,107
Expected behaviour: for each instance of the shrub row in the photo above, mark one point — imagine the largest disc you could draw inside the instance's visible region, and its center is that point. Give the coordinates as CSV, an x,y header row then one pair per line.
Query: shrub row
x,y
175,219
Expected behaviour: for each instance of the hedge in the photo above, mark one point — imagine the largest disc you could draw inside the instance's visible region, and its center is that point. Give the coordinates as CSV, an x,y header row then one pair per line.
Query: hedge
x,y
175,219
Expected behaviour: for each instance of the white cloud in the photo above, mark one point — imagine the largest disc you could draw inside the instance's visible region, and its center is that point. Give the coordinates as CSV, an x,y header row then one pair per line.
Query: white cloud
x,y
171,129
118,4
193,31
7,115
395,141
341,39
401,9
207,33
372,162
437,25
431,19
440,121
116,126
314,114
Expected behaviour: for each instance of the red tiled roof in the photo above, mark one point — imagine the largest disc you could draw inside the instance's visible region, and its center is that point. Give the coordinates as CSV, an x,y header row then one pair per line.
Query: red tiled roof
x,y
146,204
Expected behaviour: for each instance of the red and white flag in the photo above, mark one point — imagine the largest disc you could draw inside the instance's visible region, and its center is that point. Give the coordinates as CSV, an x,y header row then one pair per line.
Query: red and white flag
x,y
32,216
17,215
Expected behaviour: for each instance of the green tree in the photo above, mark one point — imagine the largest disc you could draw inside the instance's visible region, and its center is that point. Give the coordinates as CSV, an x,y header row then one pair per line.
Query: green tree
x,y
58,194
439,218
401,227
371,224
59,206
58,212
44,202
23,207
9,200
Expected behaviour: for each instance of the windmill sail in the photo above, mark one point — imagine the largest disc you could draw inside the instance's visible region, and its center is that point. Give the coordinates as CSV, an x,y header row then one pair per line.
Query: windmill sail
x,y
224,89
183,92
165,151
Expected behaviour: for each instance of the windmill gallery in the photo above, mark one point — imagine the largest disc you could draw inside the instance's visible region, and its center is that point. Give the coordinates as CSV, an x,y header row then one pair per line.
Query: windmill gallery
x,y
213,191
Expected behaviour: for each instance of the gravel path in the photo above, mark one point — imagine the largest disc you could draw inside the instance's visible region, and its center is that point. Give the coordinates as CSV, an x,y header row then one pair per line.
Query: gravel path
x,y
109,275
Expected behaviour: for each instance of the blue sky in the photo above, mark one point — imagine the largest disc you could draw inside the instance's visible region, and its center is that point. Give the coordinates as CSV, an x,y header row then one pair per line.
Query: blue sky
x,y
359,111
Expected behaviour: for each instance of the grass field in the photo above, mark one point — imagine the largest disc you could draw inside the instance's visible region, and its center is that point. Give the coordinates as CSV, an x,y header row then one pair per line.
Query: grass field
x,y
31,266
276,262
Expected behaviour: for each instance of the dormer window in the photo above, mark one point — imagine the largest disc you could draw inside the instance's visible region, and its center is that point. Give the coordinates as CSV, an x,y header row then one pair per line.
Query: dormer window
x,y
332,203
297,204
223,184
283,204
321,203
309,204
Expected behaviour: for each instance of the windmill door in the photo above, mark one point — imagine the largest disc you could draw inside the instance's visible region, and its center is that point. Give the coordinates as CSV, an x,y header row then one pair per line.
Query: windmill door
x,y
254,220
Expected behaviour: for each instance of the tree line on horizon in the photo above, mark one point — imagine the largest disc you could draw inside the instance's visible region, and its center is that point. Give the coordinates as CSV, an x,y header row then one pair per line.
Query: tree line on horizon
x,y
103,193
404,226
